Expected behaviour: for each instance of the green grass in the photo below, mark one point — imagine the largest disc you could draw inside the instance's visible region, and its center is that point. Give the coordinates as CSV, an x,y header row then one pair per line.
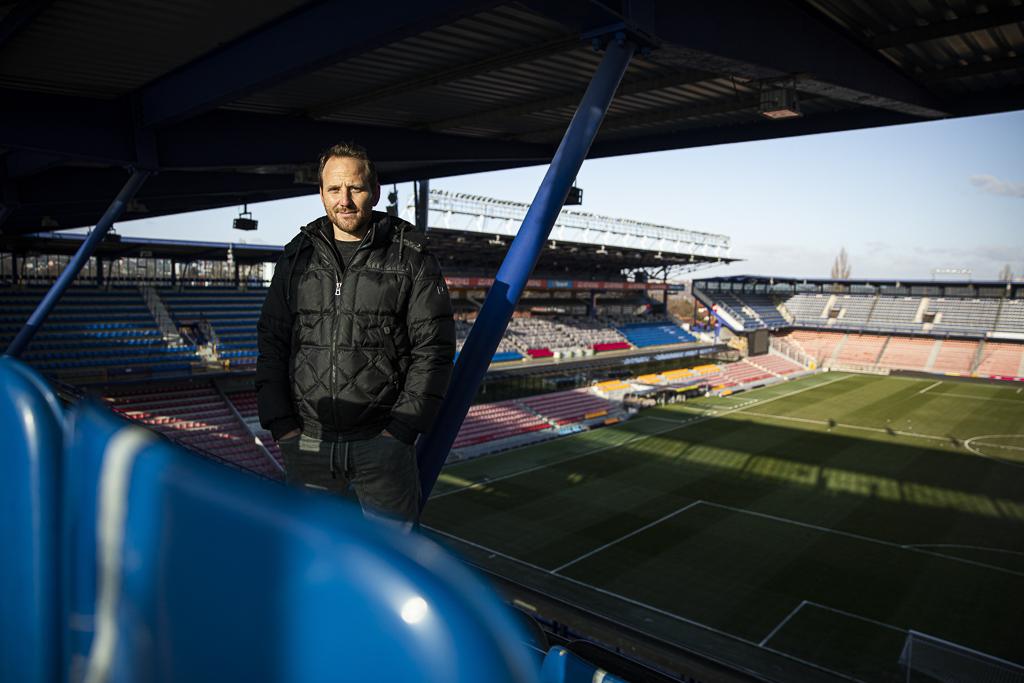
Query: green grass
x,y
799,529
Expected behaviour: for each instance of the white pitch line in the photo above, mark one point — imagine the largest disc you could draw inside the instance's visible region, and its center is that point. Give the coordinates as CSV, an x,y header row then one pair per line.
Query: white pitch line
x,y
609,593
849,426
856,616
782,623
687,423
859,537
645,527
929,387
481,484
652,608
972,397
964,547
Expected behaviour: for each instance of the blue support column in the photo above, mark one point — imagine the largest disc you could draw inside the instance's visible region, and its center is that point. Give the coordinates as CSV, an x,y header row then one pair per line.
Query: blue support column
x,y
76,264
520,260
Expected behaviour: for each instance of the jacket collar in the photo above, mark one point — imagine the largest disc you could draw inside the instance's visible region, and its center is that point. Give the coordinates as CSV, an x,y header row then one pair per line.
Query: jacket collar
x,y
378,234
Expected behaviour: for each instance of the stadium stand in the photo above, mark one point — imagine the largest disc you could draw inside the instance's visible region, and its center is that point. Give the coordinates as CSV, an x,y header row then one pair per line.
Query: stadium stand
x,y
565,407
1011,316
232,313
776,364
94,330
861,349
493,421
808,308
908,353
974,317
955,356
195,415
756,309
656,333
1001,359
895,314
820,346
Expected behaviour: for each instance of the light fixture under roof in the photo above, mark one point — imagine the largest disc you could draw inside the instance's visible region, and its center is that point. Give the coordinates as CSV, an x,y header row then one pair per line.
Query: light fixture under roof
x,y
245,221
780,102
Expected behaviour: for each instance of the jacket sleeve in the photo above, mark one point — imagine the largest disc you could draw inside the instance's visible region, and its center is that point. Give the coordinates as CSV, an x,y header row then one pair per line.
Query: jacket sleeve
x,y
274,336
431,328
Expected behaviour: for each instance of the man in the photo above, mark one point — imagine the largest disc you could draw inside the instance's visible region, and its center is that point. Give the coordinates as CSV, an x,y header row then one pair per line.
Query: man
x,y
356,340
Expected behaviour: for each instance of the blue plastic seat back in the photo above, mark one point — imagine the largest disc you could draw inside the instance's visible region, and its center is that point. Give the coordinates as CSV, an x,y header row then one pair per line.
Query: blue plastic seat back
x,y
212,574
31,422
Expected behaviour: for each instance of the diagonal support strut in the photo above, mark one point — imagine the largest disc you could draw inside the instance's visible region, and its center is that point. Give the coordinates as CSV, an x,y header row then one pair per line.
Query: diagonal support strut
x,y
520,260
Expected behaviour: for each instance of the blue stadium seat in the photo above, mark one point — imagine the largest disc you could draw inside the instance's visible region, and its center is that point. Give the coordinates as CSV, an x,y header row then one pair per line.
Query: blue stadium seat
x,y
207,573
31,421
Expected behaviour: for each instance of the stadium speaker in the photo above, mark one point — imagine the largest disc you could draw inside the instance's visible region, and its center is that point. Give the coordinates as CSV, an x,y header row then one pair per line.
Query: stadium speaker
x,y
757,342
575,196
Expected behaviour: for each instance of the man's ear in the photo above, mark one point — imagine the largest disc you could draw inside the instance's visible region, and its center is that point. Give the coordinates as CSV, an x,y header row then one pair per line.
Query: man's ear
x,y
376,194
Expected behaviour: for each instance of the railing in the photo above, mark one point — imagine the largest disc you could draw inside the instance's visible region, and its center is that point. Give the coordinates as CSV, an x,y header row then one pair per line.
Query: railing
x,y
163,319
790,351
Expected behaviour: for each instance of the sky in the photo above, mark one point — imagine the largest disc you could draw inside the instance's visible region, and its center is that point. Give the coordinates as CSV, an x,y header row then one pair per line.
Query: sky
x,y
903,200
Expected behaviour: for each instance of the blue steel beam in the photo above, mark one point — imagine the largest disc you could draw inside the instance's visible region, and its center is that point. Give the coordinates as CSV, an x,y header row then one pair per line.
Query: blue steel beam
x,y
77,262
519,262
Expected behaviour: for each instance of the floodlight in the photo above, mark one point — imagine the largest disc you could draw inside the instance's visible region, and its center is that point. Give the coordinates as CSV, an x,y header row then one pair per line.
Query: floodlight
x,y
779,102
245,221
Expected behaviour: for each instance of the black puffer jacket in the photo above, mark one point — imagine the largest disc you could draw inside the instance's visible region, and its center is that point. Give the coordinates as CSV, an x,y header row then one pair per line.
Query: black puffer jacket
x,y
347,352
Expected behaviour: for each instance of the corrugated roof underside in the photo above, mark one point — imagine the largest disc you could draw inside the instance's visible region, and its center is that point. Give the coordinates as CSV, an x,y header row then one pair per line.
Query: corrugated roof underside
x,y
951,65
101,58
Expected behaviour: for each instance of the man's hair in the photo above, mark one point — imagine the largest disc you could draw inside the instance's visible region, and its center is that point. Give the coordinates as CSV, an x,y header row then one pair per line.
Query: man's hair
x,y
352,151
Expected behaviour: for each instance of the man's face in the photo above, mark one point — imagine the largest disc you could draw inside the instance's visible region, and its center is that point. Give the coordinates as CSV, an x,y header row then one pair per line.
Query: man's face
x,y
348,197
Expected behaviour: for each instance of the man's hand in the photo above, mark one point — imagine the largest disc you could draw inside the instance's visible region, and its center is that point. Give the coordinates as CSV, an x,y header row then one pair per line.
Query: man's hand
x,y
388,435
294,432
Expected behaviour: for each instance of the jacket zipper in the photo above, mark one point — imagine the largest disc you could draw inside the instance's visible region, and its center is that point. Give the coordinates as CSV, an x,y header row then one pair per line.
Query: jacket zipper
x,y
340,275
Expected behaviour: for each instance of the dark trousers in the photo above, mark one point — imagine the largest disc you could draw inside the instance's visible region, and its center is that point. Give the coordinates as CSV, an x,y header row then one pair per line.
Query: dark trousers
x,y
381,473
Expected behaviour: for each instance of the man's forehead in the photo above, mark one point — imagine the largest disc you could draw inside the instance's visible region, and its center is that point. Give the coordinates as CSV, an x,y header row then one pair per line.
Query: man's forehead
x,y
345,171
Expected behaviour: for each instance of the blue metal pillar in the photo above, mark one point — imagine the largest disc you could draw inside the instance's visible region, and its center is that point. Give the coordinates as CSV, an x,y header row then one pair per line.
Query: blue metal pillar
x,y
76,264
520,260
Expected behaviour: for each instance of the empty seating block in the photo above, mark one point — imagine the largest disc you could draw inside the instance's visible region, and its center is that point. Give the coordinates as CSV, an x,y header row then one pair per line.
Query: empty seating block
x,y
861,349
493,421
1001,359
655,334
907,353
194,415
955,356
807,308
743,372
818,345
964,316
92,328
776,364
564,407
232,314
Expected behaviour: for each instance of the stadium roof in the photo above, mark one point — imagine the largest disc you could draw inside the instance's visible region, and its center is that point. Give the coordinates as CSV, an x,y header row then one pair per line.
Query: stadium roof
x,y
230,101
462,253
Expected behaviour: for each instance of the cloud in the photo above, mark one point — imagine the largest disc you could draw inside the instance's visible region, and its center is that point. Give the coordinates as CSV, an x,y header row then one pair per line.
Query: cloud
x,y
993,185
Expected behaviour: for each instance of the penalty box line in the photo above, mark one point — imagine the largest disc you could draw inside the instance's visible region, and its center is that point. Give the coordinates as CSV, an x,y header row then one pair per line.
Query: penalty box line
x,y
811,603
859,537
646,606
682,424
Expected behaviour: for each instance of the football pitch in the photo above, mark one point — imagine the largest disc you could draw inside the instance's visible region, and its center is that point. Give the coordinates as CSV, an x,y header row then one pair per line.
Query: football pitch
x,y
799,530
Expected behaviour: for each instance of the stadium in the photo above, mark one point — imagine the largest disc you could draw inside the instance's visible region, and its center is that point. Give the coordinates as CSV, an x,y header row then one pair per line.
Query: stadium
x,y
640,472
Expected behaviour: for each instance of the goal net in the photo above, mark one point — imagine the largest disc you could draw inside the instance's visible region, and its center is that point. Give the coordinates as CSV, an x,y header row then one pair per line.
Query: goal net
x,y
927,659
